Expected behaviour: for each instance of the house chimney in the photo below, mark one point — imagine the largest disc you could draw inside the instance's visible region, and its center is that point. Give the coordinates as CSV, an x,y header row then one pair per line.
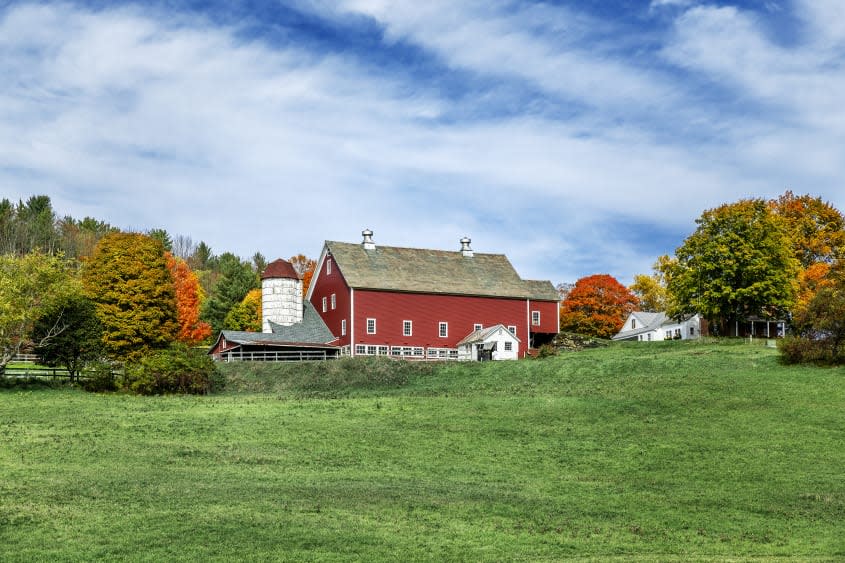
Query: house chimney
x,y
368,240
466,251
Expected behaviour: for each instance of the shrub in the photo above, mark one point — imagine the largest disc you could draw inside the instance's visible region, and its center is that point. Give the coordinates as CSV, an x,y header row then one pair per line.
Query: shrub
x,y
177,369
805,350
546,350
99,378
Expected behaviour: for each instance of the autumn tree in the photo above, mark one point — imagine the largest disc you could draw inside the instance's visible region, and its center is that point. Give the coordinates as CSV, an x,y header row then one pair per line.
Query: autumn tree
x,y
815,229
246,315
79,338
237,278
128,280
738,263
598,306
305,267
189,296
29,286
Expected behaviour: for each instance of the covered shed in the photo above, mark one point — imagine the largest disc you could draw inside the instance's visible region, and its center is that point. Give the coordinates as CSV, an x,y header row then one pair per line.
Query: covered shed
x,y
492,343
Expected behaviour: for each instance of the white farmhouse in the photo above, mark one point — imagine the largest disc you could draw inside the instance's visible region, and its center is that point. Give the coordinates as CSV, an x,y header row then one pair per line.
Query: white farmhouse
x,y
650,327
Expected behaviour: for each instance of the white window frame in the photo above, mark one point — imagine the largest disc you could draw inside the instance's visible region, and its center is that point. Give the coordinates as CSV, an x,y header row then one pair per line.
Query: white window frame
x,y
324,304
334,301
328,266
371,326
343,327
535,318
512,329
443,329
477,326
407,328
508,346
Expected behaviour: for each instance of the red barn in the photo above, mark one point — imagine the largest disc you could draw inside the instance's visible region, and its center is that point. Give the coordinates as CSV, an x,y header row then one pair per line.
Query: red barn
x,y
422,303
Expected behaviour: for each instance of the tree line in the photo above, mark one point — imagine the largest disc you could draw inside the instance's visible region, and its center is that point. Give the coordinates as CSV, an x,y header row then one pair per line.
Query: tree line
x,y
80,291
778,259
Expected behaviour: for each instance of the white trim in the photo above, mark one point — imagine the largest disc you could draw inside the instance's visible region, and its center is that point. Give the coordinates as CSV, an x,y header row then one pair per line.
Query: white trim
x,y
334,301
318,272
325,301
343,327
352,319
410,328
477,326
440,326
368,326
329,266
512,329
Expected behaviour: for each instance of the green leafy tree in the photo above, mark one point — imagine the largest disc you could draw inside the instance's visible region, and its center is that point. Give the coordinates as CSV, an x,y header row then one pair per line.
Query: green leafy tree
x,y
80,335
237,278
128,280
29,286
738,263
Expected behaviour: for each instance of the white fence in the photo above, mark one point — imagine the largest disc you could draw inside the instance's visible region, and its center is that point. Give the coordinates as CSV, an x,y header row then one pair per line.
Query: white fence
x,y
279,356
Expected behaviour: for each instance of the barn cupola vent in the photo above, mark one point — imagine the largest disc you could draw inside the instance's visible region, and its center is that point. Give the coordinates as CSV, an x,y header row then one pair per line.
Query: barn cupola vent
x,y
368,243
466,251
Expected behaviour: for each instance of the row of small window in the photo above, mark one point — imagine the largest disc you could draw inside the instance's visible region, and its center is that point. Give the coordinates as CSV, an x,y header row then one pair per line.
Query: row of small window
x,y
408,328
334,303
406,351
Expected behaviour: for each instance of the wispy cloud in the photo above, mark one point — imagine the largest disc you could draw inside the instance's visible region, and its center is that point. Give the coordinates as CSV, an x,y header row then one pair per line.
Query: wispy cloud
x,y
570,141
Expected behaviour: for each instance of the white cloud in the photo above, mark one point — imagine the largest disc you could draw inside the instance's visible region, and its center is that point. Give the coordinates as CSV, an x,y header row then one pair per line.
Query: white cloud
x,y
149,121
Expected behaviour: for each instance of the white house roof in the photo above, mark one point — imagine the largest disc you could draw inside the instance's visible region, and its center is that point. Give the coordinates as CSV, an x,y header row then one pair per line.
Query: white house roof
x,y
484,334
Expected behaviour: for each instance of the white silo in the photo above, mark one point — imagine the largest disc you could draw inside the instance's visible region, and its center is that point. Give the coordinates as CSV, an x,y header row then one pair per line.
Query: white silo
x,y
281,295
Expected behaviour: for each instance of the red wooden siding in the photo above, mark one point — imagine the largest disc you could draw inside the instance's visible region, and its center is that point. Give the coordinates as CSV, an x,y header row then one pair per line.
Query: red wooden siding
x,y
324,286
426,311
549,316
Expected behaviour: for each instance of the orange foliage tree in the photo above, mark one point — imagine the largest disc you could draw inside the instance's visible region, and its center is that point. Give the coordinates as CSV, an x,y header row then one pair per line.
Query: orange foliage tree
x,y
189,296
305,267
598,306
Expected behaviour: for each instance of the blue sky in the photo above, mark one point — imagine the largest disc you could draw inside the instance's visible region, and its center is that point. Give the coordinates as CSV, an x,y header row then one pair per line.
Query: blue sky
x,y
575,137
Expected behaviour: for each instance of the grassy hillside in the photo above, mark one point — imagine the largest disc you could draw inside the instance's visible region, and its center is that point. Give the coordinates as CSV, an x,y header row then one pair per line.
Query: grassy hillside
x,y
652,452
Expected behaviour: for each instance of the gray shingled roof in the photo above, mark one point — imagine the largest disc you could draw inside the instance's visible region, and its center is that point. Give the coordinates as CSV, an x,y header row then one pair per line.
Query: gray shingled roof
x,y
482,334
421,270
311,331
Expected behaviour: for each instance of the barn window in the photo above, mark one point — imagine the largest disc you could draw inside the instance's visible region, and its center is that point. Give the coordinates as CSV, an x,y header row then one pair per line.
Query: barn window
x,y
477,326
512,329
334,301
360,349
343,327
535,318
328,266
371,326
407,328
444,329
508,346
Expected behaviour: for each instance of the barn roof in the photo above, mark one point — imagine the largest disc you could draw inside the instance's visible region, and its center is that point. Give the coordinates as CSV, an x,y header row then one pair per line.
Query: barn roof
x,y
279,269
420,270
312,331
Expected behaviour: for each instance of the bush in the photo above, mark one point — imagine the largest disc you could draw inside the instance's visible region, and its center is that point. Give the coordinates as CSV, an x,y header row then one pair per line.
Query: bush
x,y
805,350
546,351
99,377
178,369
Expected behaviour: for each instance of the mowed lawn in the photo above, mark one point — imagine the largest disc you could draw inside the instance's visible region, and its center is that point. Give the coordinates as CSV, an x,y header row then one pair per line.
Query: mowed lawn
x,y
665,451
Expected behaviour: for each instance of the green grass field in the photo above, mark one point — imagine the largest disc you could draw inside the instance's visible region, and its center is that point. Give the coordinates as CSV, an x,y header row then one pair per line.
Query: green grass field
x,y
667,451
